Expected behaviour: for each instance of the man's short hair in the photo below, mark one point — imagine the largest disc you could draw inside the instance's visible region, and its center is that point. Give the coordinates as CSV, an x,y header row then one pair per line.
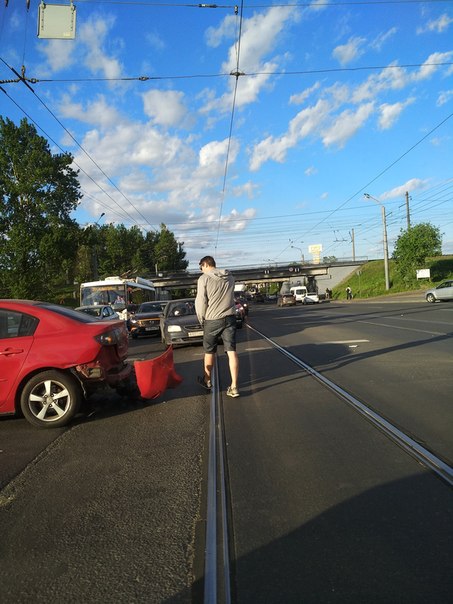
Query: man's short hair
x,y
208,260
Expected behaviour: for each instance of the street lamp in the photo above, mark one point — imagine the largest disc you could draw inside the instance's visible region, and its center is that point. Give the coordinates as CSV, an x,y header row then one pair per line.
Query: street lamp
x,y
302,258
97,221
386,249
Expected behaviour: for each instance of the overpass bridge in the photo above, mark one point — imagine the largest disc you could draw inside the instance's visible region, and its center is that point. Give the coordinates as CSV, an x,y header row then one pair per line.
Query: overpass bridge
x,y
323,274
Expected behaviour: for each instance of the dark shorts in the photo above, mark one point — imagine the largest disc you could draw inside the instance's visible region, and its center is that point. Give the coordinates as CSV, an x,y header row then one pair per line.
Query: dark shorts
x,y
216,328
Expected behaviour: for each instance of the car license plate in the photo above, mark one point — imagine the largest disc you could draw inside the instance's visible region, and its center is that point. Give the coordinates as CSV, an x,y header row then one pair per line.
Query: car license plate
x,y
193,334
150,328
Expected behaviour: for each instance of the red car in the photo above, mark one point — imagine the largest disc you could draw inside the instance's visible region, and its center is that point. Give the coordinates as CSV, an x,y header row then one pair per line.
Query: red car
x,y
52,358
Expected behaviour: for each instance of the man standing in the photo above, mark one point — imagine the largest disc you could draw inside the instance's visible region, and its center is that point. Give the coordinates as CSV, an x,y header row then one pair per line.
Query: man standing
x,y
215,308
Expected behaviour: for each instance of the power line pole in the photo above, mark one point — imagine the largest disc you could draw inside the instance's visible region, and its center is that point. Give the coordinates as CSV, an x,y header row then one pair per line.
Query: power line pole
x,y
408,215
353,244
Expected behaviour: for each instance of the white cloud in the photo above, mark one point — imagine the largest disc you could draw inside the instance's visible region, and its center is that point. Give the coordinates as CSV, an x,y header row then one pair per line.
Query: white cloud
x,y
165,107
346,125
260,34
411,185
380,40
346,53
436,25
301,97
225,31
59,55
389,113
430,65
87,49
444,97
306,122
155,40
212,156
310,171
97,113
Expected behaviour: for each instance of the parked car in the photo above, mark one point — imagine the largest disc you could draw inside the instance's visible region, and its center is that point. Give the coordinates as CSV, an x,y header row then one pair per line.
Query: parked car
x,y
444,291
104,312
310,298
179,323
53,357
286,299
146,320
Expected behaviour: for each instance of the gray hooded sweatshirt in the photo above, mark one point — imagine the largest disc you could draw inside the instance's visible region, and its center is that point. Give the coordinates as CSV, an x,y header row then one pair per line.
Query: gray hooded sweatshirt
x,y
215,295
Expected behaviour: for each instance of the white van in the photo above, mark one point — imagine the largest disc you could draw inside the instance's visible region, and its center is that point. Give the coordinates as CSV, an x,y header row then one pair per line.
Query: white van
x,y
299,292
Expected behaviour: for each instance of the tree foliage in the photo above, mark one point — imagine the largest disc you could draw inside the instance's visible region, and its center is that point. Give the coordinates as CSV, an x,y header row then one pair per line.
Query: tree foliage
x,y
413,246
38,190
42,248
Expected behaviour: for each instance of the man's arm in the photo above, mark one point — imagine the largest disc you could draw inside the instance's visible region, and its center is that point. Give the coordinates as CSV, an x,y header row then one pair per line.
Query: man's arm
x,y
201,299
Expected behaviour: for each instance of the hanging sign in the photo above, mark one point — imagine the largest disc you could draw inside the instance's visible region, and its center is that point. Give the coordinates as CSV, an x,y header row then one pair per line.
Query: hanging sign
x,y
56,21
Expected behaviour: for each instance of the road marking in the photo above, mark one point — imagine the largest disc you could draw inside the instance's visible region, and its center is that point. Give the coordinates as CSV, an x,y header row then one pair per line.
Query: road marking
x,y
433,333
341,342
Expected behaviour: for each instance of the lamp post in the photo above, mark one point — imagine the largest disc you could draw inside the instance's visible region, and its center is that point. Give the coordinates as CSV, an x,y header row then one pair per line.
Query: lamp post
x,y
386,249
302,258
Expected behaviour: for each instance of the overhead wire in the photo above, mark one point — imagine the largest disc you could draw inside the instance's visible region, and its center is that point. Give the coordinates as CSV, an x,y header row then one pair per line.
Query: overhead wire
x,y
63,151
237,73
79,145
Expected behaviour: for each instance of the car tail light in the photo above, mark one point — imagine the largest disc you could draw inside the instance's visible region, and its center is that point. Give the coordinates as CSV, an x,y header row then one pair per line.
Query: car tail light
x,y
111,337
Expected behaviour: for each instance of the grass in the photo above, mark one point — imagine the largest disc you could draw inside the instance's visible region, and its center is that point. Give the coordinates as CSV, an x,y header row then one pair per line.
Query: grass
x,y
369,280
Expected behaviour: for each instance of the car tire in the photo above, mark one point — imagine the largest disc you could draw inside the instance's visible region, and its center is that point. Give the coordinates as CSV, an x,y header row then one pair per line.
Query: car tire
x,y
50,399
430,298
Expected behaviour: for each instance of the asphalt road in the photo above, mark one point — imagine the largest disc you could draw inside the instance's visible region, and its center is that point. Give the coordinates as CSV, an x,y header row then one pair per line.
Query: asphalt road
x,y
323,506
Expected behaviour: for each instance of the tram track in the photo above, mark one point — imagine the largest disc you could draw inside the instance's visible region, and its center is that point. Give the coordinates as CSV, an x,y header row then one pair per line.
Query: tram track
x,y
217,566
424,456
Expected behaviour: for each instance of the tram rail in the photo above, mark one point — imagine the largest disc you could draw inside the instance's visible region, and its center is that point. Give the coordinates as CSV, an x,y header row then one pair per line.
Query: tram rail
x,y
217,578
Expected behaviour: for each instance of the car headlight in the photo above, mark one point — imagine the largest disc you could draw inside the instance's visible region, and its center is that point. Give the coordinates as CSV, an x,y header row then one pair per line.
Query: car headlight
x,y
174,328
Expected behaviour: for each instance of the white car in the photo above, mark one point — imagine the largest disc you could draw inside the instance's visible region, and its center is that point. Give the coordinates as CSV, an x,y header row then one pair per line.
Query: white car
x,y
104,312
311,298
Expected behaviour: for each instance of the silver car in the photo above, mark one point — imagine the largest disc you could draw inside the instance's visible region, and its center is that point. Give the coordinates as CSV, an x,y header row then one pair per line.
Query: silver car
x,y
179,323
104,312
444,291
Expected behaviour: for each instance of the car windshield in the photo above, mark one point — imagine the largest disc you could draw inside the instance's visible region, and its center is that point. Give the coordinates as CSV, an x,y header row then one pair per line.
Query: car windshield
x,y
149,307
182,309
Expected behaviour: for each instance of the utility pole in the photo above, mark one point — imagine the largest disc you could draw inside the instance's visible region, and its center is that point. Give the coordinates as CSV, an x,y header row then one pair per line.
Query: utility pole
x,y
386,249
353,244
408,215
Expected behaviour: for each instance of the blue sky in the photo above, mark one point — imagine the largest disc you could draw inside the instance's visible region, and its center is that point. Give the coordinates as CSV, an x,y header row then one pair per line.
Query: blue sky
x,y
334,100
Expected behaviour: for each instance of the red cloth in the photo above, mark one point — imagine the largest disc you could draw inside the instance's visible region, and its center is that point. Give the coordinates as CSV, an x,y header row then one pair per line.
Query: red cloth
x,y
154,376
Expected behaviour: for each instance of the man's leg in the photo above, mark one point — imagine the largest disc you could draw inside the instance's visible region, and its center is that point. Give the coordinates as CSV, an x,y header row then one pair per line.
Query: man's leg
x,y
233,362
208,365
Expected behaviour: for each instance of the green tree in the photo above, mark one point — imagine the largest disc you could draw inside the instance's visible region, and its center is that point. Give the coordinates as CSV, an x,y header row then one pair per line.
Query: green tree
x,y
168,253
38,191
413,246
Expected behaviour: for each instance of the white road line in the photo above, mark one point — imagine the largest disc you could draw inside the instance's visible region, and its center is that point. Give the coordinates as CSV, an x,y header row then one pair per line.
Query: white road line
x,y
432,333
341,342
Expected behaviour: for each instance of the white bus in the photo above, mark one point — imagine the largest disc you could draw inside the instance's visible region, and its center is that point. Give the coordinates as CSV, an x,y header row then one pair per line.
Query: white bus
x,y
120,293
